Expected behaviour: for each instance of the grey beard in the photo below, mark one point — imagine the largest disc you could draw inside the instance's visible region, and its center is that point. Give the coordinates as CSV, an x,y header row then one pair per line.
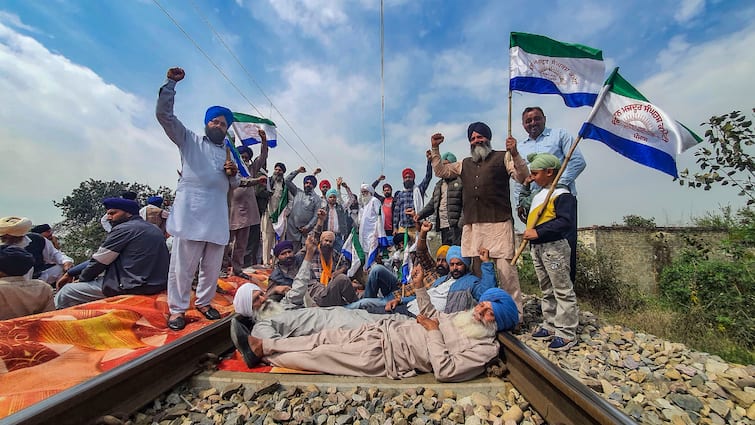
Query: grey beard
x,y
364,200
481,151
267,310
473,329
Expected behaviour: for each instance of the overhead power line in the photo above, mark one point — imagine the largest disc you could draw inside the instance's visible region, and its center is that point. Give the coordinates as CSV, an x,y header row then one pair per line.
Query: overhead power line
x,y
220,70
250,77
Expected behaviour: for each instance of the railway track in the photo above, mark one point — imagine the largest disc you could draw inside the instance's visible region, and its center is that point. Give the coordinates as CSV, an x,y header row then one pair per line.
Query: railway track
x,y
557,396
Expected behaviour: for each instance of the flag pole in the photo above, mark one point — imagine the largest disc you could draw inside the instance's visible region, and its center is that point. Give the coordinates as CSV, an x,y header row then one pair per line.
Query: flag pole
x,y
598,103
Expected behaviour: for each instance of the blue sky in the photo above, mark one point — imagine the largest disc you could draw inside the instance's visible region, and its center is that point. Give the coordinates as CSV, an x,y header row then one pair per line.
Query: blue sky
x,y
80,79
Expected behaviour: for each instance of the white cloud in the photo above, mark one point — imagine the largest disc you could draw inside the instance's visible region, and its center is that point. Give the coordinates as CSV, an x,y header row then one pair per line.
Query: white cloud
x,y
675,51
455,69
313,17
15,22
66,125
712,79
689,9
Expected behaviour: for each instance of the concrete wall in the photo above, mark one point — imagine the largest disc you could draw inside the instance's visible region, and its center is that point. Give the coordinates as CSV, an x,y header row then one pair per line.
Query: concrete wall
x,y
640,253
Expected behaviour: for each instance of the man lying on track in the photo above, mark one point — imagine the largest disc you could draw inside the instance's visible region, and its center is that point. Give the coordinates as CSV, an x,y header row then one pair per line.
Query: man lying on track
x,y
455,347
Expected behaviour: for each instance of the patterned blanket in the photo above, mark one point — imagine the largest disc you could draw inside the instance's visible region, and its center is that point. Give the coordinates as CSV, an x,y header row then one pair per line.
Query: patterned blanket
x,y
47,353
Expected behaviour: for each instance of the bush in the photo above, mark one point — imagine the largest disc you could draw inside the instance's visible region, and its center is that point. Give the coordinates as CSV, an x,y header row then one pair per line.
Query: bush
x,y
598,284
527,276
633,220
717,294
596,281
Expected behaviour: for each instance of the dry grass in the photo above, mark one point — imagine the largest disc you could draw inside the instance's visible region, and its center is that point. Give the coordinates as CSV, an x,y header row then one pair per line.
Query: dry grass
x,y
656,320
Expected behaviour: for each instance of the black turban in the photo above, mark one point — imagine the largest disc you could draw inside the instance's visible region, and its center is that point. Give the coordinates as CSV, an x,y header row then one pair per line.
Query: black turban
x,y
282,165
40,229
122,204
15,261
127,194
481,128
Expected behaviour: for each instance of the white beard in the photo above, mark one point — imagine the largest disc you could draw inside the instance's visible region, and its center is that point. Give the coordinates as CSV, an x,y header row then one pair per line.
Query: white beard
x,y
480,152
471,328
267,310
364,200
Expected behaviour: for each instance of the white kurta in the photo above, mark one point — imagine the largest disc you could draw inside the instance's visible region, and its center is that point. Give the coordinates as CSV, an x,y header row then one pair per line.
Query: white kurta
x,y
200,210
370,226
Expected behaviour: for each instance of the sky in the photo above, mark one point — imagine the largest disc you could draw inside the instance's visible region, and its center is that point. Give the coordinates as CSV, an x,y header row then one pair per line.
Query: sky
x,y
79,81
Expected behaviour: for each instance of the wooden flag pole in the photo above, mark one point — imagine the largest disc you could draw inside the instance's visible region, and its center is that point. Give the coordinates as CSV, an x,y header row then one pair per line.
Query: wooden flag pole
x,y
547,197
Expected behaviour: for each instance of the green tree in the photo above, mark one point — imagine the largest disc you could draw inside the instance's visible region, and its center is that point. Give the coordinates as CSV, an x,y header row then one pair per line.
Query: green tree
x,y
81,230
633,220
727,158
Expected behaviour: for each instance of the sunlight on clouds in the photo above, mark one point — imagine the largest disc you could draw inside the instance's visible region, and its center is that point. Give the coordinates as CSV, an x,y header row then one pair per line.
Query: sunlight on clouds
x,y
326,108
453,71
675,50
689,9
68,125
314,17
15,22
706,81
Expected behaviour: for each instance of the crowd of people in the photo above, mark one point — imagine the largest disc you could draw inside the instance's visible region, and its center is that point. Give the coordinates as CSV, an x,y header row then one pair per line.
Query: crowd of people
x,y
403,310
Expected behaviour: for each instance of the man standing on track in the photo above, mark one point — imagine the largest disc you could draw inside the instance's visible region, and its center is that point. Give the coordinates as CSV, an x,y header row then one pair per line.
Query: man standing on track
x,y
488,222
199,219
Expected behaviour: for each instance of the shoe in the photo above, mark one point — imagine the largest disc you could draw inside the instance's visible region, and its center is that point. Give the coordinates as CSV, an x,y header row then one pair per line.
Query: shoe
x,y
542,333
561,344
178,323
209,312
239,336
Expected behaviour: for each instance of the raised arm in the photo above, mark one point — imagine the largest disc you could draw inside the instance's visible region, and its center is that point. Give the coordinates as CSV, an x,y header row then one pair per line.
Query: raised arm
x,y
261,160
301,281
175,130
444,171
428,174
426,308
290,180
516,166
487,280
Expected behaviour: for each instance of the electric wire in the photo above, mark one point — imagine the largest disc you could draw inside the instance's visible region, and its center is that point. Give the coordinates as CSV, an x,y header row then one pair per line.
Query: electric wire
x,y
382,88
251,78
220,70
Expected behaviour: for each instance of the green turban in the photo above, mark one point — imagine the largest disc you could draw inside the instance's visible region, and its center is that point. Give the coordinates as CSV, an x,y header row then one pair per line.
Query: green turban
x,y
449,156
543,161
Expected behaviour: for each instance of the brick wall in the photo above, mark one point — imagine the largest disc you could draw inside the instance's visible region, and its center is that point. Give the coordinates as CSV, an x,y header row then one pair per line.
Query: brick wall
x,y
640,253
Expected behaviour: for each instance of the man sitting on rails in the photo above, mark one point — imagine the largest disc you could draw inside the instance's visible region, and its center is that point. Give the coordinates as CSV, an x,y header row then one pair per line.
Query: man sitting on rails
x,y
133,256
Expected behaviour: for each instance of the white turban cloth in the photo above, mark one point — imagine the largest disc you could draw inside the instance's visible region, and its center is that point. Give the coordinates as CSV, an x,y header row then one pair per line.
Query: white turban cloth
x,y
244,298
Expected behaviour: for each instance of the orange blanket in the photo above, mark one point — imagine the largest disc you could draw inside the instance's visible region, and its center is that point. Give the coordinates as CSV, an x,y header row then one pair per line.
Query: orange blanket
x,y
44,354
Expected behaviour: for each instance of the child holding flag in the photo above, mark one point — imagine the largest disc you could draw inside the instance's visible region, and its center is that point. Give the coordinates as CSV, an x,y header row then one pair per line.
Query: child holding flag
x,y
548,223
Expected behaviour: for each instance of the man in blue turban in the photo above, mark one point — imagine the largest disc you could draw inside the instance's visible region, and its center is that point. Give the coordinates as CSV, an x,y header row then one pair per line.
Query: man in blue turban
x,y
199,218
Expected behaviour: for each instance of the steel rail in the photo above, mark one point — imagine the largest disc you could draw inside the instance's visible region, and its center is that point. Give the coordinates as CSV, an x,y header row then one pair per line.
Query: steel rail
x,y
130,386
556,395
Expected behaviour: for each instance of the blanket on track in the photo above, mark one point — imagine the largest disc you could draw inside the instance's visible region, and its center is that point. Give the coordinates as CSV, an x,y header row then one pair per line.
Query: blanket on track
x,y
44,354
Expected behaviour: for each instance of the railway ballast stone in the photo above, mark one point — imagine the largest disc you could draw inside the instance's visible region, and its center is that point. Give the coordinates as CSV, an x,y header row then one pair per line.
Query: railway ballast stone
x,y
651,380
